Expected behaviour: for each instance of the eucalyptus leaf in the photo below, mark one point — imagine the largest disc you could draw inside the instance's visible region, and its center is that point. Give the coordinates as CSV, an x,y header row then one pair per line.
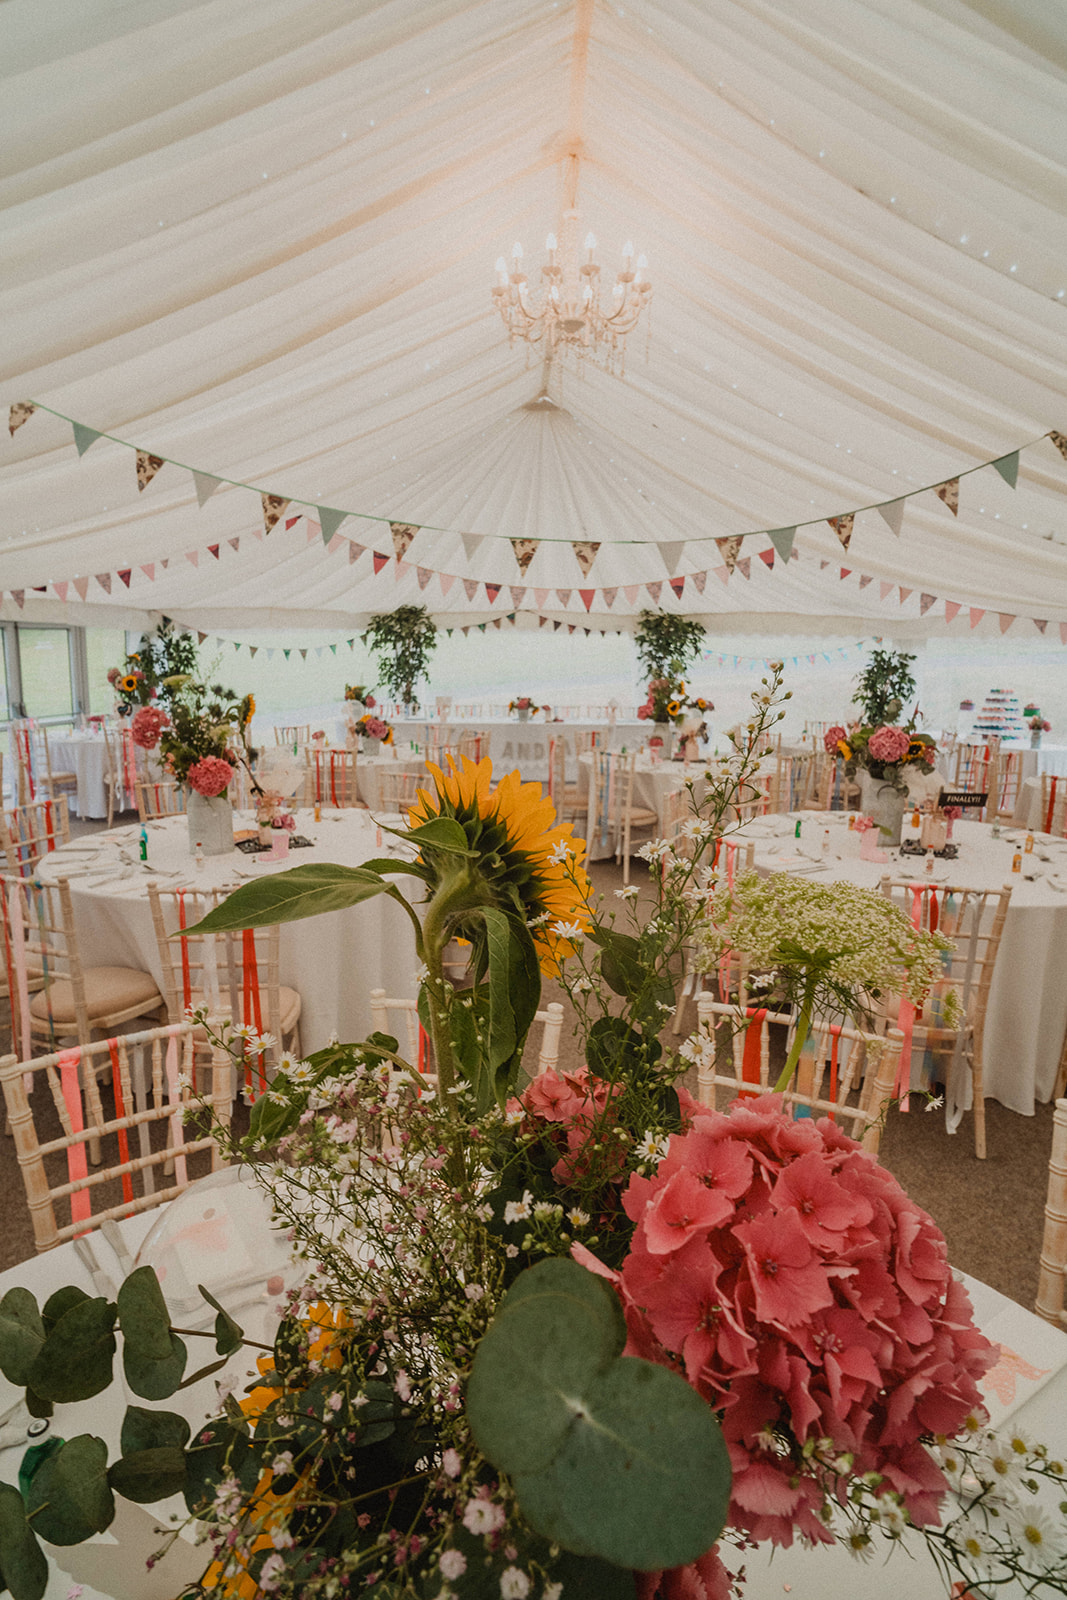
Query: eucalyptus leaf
x,y
22,1334
148,1430
147,1475
143,1315
75,1360
59,1303
229,1336
69,1497
305,891
156,1380
37,1405
23,1563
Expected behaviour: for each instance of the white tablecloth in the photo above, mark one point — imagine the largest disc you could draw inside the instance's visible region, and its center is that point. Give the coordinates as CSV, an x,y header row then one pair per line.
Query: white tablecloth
x,y
86,755
1027,1015
1029,1386
332,961
525,744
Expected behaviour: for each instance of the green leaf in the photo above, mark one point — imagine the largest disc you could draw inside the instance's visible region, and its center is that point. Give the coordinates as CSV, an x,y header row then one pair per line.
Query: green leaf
x,y
149,1430
306,891
268,1121
156,1380
586,1578
146,1475
603,1450
22,1334
514,984
229,1336
59,1303
22,1561
621,966
75,1361
143,1315
37,1405
69,1497
439,833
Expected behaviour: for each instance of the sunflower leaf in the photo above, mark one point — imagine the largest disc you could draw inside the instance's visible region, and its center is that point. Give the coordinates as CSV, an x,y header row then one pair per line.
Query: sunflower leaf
x,y
305,891
514,984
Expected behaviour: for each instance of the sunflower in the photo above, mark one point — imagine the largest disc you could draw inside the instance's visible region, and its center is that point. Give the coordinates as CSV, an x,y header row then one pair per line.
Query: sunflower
x,y
674,708
530,864
844,749
916,750
250,709
128,684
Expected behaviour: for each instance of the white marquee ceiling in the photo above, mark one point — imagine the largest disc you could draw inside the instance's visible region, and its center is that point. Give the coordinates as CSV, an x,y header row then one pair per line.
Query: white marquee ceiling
x,y
257,237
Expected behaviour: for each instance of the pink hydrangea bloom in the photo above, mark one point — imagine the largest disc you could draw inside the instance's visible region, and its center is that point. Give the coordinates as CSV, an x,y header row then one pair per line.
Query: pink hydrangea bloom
x,y
375,728
888,744
832,736
798,1289
146,725
210,776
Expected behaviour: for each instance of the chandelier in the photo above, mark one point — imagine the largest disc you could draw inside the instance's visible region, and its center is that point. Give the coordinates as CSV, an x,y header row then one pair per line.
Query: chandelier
x,y
567,313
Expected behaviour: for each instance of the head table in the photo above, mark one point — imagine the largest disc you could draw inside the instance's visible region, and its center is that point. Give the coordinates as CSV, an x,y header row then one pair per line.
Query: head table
x,y
332,961
1027,1016
1027,1387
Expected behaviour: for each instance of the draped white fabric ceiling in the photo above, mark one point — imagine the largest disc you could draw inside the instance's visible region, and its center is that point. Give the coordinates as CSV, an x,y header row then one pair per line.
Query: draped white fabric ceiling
x,y
257,237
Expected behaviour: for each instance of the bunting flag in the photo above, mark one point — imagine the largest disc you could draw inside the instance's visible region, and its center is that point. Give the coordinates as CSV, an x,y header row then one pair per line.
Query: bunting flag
x,y
730,549
925,602
723,573
678,585
81,585
470,585
402,569
126,573
518,594
893,515
767,557
200,637
19,597
149,570
379,559
147,467
782,540
700,579
845,572
744,565
540,597
193,556
329,521
952,610
83,436
884,588
1060,441
104,580
355,551
423,574
949,492
977,613
492,590
525,550
234,544
205,485
213,550
564,597
585,554
654,592
403,533
471,541
672,554
631,591
1040,623
1008,467
609,596
20,412
447,580
1006,620
865,579
842,526
273,508
61,590
587,598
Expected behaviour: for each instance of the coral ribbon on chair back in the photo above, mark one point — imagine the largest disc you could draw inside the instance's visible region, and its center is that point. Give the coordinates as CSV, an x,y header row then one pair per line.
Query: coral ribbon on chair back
x,y
77,1165
120,1111
751,1056
835,1047
252,1006
1051,805
333,780
174,1098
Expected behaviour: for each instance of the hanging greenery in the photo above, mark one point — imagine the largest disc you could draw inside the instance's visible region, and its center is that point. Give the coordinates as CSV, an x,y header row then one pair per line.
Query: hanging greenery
x,y
883,686
667,644
403,640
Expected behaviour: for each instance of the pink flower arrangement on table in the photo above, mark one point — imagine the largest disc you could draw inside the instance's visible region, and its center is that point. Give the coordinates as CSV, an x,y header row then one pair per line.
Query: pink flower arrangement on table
x,y
888,743
799,1290
210,776
375,728
146,725
833,737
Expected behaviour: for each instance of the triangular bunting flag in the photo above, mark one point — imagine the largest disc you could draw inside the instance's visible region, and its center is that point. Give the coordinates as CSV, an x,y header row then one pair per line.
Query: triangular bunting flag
x,y
631,591
585,554
865,579
126,573
273,508
149,571
949,492
782,540
842,526
609,597
471,586
541,621
252,650
303,655
287,654
564,597
19,597
952,610
846,572
82,586
329,521
200,637
571,627
744,566
1008,467
700,579
492,590
291,522
312,530
925,602
379,561
234,544
976,616
678,585
518,593
672,554
104,580
540,597
84,437
1040,623
496,623
471,541
884,588
767,557
423,574
893,513
723,573
402,569
355,551
1059,440
525,550
20,412
214,550
823,565
588,596
730,549
904,593
147,467
205,486
61,590
654,591
403,533
193,556
446,580
1006,620
556,626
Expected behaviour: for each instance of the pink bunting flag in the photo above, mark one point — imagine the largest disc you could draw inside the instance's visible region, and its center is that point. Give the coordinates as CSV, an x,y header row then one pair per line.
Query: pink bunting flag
x,y
379,561
865,579
61,590
355,551
1006,620
1063,632
518,594
977,613
540,597
884,589
700,579
904,594
470,585
82,586
402,569
587,597
952,609
193,556
631,591
446,580
744,566
609,596
104,580
722,573
564,597
1040,623
423,574
654,591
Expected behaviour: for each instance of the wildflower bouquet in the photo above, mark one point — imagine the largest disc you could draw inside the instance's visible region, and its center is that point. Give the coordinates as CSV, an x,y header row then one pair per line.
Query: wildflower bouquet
x,y
666,701
360,693
1039,724
208,731
372,727
526,704
885,752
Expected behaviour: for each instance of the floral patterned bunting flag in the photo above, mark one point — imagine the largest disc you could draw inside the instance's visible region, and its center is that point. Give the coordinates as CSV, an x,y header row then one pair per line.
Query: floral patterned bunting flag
x,y
1060,441
949,492
20,412
730,549
403,533
842,526
585,554
525,550
273,508
147,467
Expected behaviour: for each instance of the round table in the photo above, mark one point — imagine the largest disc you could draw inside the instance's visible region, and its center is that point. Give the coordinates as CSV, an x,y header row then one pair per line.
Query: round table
x,y
1027,1016
84,754
332,961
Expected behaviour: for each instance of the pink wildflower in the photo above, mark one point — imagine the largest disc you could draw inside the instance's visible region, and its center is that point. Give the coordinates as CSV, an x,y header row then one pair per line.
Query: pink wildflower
x,y
888,744
210,776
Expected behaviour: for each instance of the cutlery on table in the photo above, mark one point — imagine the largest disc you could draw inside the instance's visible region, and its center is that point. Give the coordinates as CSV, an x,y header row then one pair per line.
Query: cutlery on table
x,y
103,1283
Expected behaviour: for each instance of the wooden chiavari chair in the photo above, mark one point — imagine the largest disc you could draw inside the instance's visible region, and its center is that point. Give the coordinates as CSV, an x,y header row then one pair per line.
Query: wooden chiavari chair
x,y
976,771
397,790
826,1074
1054,804
331,778
140,1100
568,799
293,734
974,919
384,1009
159,797
30,831
50,781
1004,780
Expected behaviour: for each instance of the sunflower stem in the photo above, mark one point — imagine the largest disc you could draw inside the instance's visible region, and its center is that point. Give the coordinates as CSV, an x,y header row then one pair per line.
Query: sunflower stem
x,y
803,1028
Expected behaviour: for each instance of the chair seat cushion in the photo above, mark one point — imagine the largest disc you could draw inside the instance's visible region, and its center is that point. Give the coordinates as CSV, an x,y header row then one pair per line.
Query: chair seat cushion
x,y
107,990
641,818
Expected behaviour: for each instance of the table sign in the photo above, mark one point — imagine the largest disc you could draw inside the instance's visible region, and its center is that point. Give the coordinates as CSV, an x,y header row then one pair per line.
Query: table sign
x,y
963,799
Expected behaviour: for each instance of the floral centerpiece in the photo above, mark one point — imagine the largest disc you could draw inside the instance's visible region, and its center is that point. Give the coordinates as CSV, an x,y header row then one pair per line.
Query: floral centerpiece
x,y
525,707
131,685
361,694
202,741
1038,724
161,656
574,1336
371,727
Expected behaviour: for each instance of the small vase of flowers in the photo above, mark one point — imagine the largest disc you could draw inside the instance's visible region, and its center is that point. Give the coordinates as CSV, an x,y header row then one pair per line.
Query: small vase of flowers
x,y
374,731
1037,725
524,707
